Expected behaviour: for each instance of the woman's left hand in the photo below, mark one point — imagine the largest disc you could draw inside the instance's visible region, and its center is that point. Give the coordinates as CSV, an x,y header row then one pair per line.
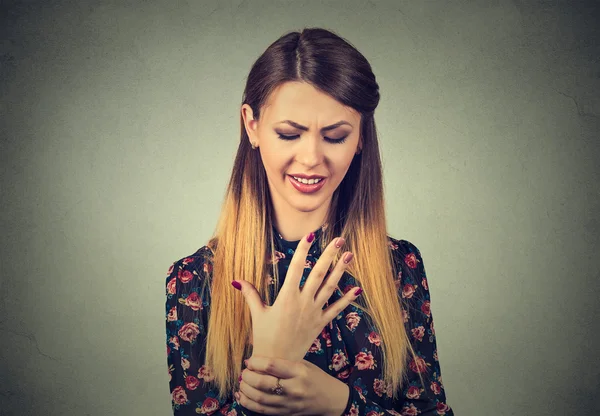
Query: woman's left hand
x,y
307,390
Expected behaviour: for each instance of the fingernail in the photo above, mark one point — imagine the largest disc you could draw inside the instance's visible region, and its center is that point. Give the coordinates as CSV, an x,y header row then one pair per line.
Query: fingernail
x,y
340,242
358,291
236,284
240,379
310,237
348,257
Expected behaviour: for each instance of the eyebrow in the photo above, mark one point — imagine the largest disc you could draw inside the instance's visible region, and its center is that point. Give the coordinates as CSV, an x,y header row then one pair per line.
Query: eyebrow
x,y
324,129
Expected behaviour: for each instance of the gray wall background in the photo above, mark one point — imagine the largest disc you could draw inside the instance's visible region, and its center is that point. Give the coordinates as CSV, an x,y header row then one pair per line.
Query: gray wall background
x,y
118,125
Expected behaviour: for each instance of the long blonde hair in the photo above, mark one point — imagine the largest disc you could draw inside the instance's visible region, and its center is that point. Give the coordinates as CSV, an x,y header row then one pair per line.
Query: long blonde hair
x,y
242,244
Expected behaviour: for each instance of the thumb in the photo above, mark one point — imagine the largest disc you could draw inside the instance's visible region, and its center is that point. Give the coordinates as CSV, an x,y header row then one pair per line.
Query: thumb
x,y
250,293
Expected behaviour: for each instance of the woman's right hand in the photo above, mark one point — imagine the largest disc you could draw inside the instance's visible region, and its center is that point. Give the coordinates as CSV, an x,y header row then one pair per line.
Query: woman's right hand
x,y
288,328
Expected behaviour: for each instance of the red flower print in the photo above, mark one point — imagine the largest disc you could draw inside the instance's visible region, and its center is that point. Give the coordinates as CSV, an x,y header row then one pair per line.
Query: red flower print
x,y
441,408
172,316
352,320
418,365
392,245
191,382
316,345
424,283
435,387
343,375
339,360
210,405
410,410
374,338
193,301
205,372
185,363
207,268
170,269
404,315
408,290
373,413
411,260
185,276
187,260
179,395
327,337
379,387
278,255
171,286
364,361
418,332
426,308
413,392
189,332
175,341
353,411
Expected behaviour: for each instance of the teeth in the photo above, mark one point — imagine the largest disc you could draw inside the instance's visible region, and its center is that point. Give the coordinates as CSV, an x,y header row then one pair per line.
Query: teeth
x,y
307,181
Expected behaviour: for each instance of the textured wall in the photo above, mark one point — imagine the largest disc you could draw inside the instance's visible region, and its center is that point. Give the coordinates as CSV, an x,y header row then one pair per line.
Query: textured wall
x,y
118,126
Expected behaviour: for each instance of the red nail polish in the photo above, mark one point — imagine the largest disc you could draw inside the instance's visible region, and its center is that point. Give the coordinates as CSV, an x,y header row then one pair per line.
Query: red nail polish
x,y
236,284
358,291
310,237
240,379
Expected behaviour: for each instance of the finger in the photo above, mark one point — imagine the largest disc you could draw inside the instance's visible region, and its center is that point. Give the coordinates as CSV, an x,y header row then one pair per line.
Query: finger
x,y
319,271
331,281
275,367
252,296
334,310
296,267
255,406
260,396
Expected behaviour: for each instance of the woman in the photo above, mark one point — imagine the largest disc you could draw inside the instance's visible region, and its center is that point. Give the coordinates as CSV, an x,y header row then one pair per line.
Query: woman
x,y
300,338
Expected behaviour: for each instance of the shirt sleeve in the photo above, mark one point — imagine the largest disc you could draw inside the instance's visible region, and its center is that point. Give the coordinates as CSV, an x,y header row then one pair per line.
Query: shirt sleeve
x,y
186,330
415,398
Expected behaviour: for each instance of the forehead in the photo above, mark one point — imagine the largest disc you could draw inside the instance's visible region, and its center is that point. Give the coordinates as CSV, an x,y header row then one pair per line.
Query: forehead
x,y
303,103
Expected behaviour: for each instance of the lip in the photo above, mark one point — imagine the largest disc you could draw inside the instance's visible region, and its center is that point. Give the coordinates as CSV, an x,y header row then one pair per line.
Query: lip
x,y
304,188
303,176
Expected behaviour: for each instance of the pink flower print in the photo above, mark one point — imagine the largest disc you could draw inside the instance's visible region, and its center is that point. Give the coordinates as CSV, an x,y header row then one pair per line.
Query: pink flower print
x,y
352,320
408,290
193,301
441,408
191,383
189,332
392,245
187,260
410,410
426,308
374,338
435,387
418,365
379,387
185,363
185,276
338,361
172,316
424,283
364,361
209,406
411,260
206,373
316,345
207,268
418,333
414,392
179,395
171,286
170,269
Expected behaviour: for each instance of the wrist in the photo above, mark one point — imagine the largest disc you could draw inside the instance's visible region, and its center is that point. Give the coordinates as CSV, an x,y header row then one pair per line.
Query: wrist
x,y
340,394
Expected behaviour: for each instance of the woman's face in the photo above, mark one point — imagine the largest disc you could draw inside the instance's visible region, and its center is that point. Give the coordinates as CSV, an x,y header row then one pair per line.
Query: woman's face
x,y
304,114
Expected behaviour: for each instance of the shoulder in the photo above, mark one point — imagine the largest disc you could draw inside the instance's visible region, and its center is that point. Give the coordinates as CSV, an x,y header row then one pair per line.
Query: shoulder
x,y
190,270
405,253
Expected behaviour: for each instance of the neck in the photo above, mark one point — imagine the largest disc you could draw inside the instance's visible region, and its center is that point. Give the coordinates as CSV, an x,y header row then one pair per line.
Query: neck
x,y
294,227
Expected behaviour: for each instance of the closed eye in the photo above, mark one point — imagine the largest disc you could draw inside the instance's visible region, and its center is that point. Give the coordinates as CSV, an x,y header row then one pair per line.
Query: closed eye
x,y
327,139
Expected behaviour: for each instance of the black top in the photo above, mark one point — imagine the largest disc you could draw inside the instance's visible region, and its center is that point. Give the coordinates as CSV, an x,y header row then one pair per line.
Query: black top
x,y
347,348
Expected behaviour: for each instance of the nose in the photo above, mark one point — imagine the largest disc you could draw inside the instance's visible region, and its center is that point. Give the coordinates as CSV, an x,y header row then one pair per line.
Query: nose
x,y
310,151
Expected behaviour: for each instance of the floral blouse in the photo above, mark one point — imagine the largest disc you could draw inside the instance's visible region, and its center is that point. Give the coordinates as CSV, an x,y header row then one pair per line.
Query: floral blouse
x,y
346,348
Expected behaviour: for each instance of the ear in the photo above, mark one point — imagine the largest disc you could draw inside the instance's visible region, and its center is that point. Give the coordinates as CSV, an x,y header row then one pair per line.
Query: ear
x,y
250,124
